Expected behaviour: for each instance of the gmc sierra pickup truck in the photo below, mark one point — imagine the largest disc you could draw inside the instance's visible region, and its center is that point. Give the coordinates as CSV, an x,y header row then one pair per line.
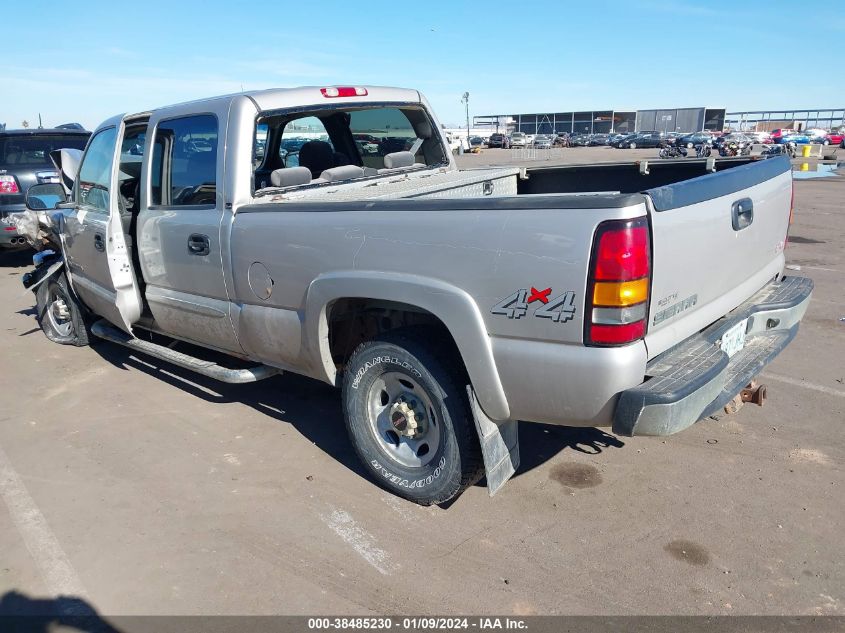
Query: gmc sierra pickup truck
x,y
447,304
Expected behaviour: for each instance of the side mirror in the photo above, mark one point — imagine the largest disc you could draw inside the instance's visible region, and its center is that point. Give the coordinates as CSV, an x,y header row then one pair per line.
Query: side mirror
x,y
44,197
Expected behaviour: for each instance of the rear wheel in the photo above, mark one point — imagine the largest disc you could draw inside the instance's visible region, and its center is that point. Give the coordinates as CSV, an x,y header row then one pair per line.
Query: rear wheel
x,y
59,313
408,417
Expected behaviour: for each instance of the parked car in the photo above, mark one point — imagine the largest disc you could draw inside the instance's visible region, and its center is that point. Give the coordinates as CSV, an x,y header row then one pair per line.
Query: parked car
x,y
670,138
696,138
476,141
599,139
518,139
543,141
796,137
642,140
665,301
816,134
499,140
732,137
25,161
622,142
579,140
833,138
760,137
778,133
561,140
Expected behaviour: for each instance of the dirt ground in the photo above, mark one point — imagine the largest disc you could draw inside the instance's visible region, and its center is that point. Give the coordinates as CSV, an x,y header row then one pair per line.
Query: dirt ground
x,y
144,489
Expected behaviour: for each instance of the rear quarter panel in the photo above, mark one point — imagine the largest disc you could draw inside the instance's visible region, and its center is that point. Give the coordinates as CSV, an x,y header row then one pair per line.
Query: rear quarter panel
x,y
487,249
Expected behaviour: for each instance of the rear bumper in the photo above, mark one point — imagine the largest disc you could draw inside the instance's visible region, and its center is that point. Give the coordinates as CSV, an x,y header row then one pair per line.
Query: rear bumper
x,y
696,378
10,238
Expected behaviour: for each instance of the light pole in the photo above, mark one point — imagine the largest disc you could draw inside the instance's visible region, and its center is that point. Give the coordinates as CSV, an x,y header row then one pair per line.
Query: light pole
x,y
465,99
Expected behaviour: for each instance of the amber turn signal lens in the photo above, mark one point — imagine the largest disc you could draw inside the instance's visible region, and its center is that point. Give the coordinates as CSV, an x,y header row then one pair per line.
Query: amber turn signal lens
x,y
624,293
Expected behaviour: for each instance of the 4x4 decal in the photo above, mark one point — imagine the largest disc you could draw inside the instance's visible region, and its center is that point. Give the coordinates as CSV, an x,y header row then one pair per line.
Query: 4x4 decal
x,y
559,309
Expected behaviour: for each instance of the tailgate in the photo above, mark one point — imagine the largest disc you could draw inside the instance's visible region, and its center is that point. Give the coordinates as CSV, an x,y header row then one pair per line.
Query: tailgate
x,y
716,240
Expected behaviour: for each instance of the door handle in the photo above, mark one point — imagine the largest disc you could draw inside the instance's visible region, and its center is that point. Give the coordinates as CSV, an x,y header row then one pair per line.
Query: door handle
x,y
99,242
199,244
742,213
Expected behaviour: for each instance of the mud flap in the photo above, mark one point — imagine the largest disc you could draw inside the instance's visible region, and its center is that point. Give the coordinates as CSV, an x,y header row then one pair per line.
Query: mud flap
x,y
499,445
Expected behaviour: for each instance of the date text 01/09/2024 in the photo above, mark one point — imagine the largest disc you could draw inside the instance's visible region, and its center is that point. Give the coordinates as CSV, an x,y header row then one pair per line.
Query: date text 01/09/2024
x,y
425,623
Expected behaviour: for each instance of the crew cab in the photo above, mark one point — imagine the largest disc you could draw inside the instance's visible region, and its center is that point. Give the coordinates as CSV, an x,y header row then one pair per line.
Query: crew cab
x,y
446,304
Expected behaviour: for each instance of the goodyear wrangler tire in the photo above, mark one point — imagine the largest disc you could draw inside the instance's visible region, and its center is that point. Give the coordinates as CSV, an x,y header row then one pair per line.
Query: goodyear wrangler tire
x,y
59,314
408,417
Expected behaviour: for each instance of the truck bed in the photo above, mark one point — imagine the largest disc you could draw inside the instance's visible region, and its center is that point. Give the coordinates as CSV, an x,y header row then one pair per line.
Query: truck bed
x,y
499,182
423,183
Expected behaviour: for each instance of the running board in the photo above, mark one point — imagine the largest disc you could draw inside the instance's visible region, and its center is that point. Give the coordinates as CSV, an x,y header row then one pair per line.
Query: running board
x,y
105,330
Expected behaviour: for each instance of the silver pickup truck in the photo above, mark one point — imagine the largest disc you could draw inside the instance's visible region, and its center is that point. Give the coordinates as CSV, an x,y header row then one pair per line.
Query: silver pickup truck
x,y
328,232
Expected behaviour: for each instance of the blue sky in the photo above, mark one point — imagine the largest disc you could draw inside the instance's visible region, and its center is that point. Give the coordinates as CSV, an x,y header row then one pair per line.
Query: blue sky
x,y
86,61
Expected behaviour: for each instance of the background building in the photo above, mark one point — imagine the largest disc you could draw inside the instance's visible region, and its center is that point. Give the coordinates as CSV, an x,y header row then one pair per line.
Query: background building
x,y
605,121
681,120
768,120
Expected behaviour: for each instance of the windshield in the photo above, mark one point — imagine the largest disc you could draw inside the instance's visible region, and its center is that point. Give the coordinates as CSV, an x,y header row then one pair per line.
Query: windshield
x,y
34,150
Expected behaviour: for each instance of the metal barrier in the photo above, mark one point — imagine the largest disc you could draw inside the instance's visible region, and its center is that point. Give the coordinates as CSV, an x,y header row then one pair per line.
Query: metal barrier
x,y
535,153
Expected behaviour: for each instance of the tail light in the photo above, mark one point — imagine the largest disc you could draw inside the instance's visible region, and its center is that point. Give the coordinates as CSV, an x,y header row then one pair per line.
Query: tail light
x,y
618,286
8,184
343,91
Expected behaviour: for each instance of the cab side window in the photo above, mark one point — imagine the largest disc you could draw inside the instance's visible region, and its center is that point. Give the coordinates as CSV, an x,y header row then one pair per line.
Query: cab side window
x,y
92,190
184,166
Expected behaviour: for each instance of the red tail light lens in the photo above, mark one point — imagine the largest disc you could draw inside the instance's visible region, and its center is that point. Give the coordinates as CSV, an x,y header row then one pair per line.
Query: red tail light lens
x,y
343,91
618,334
8,184
619,283
622,254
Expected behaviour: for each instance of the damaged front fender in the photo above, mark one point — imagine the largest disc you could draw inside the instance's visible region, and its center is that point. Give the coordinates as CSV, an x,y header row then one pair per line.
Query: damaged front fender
x,y
47,263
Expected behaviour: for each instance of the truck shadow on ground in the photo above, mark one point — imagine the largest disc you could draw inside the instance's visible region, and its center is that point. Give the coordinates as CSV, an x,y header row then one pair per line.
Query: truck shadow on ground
x,y
16,259
314,410
20,613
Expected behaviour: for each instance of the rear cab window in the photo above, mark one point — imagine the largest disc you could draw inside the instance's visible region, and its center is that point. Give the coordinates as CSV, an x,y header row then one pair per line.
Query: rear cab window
x,y
340,136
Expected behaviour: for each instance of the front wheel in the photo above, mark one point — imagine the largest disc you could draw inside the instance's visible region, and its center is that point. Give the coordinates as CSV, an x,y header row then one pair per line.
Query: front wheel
x,y
633,146
59,314
408,417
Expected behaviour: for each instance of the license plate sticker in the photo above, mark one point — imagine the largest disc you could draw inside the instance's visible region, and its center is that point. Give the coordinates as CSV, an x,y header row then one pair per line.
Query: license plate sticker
x,y
734,339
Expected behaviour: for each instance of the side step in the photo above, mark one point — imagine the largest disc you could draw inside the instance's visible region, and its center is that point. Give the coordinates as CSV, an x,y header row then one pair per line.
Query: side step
x,y
105,330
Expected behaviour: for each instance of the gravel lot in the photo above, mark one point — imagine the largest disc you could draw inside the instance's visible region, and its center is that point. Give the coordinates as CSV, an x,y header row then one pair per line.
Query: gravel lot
x,y
146,489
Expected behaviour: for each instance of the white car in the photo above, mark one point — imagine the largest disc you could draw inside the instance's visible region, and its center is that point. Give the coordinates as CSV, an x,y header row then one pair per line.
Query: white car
x,y
519,139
